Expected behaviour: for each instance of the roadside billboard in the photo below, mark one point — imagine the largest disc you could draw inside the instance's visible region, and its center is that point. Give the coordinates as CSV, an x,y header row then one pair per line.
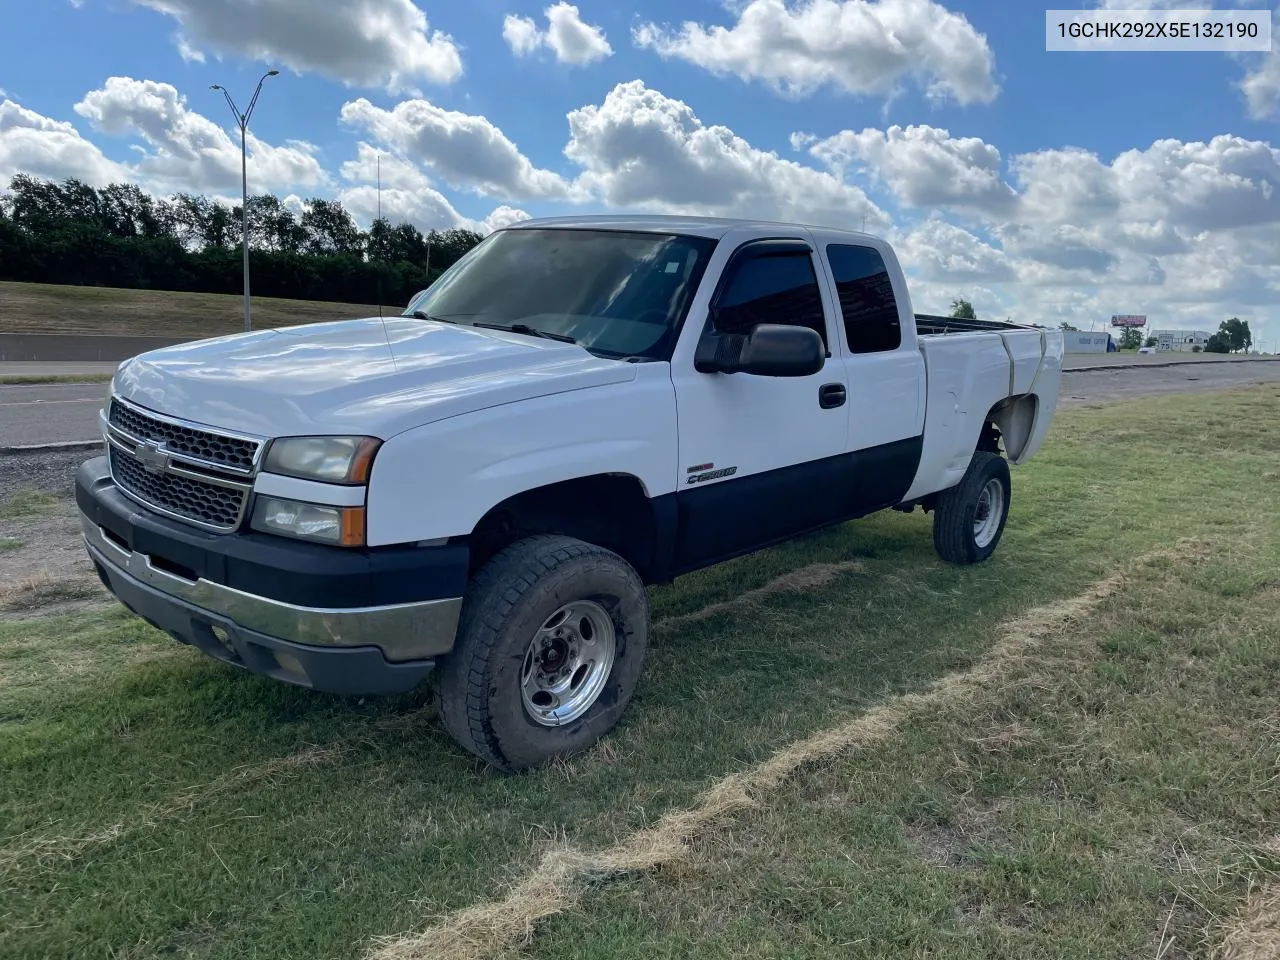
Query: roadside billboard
x,y
1128,320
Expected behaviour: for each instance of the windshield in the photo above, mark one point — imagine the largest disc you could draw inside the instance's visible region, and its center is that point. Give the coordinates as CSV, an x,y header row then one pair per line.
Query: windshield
x,y
619,294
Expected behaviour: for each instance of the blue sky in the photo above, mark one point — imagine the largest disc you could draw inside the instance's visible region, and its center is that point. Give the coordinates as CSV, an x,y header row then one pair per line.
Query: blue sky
x,y
1048,185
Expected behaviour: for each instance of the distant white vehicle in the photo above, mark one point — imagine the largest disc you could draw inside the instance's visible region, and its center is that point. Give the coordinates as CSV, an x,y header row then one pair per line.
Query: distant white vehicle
x,y
576,408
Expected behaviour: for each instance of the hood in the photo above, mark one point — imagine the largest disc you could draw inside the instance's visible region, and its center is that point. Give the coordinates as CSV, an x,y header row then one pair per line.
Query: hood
x,y
371,377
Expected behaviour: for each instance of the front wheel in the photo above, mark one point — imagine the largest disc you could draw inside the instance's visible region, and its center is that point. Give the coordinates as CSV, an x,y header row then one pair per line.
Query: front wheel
x,y
550,645
969,518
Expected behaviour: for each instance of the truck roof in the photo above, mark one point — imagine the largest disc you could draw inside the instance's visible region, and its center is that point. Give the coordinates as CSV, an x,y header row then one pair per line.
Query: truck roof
x,y
714,227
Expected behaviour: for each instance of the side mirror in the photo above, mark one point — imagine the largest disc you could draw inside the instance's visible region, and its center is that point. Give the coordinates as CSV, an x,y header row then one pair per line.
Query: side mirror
x,y
769,350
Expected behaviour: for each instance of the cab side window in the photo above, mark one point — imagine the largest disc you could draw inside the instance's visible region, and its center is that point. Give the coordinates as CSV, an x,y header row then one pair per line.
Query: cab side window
x,y
866,298
775,288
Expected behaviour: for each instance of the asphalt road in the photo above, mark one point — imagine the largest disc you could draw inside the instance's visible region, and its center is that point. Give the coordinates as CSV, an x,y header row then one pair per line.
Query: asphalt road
x,y
49,413
54,368
1110,386
63,412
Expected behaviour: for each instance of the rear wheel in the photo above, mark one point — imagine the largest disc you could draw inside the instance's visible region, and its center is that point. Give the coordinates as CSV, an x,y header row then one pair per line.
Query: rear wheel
x,y
550,646
969,518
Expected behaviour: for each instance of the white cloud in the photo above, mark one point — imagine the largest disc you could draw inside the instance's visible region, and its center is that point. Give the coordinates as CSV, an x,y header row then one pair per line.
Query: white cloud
x,y
522,34
373,43
1228,182
1261,84
425,209
186,51
922,166
567,36
188,151
1186,232
860,46
503,216
1074,253
640,148
407,195
40,146
1065,186
395,172
938,250
463,149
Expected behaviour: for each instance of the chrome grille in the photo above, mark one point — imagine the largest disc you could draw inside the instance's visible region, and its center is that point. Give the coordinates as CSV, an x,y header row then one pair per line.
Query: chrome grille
x,y
180,495
236,453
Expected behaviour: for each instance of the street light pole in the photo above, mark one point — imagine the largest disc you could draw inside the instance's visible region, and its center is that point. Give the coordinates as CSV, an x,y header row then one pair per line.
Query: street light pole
x,y
242,121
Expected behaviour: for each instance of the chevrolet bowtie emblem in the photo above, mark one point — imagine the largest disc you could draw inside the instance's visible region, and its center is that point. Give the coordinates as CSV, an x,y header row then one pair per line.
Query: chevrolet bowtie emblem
x,y
152,457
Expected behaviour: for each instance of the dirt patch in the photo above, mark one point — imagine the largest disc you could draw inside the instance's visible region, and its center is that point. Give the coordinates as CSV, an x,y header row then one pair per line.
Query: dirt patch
x,y
812,577
44,562
44,590
951,844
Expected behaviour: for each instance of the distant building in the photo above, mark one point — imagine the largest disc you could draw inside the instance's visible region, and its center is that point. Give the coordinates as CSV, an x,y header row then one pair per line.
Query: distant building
x,y
1082,341
1184,341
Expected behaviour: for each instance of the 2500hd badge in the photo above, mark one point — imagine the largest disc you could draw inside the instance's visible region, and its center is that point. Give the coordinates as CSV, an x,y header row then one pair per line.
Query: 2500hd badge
x,y
712,474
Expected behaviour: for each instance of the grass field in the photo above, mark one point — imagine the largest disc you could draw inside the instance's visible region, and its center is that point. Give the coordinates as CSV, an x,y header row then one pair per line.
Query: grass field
x,y
841,747
33,379
53,308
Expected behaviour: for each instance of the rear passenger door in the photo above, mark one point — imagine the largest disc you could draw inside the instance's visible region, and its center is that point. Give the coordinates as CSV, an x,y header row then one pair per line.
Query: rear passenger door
x,y
885,373
760,457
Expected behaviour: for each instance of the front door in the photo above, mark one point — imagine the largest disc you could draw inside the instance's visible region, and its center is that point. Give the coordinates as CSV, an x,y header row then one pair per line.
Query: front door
x,y
761,458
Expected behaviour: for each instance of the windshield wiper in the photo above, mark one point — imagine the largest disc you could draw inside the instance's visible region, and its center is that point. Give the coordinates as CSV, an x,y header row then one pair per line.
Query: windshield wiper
x,y
423,315
526,329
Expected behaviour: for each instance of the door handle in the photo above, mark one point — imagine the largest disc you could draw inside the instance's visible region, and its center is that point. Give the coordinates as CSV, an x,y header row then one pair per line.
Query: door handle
x,y
831,395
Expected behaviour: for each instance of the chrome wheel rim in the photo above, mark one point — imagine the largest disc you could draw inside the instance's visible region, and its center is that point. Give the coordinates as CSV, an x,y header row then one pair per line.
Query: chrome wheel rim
x,y
567,663
986,518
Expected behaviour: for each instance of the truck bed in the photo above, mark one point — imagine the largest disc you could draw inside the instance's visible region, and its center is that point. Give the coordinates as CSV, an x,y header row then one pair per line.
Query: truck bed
x,y
971,367
929,325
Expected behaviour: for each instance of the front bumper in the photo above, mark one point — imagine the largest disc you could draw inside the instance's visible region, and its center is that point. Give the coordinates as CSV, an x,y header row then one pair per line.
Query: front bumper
x,y
190,584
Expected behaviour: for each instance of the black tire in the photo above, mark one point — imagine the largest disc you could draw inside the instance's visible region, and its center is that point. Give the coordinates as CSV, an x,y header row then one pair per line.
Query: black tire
x,y
954,535
479,683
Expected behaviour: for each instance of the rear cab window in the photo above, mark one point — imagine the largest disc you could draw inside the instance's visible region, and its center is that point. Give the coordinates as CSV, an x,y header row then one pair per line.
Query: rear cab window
x,y
865,293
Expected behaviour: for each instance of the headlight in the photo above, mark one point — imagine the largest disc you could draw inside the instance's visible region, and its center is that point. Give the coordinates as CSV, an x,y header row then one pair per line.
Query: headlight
x,y
331,459
340,526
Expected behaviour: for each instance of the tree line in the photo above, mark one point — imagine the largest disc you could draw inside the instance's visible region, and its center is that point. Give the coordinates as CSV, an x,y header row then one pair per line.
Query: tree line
x,y
119,236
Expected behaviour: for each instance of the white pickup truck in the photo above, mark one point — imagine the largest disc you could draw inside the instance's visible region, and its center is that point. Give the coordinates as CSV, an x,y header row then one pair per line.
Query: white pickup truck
x,y
482,487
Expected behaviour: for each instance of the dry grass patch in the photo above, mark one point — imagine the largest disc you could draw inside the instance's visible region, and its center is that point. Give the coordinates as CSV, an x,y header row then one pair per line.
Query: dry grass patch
x,y
43,589
815,576
1255,933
